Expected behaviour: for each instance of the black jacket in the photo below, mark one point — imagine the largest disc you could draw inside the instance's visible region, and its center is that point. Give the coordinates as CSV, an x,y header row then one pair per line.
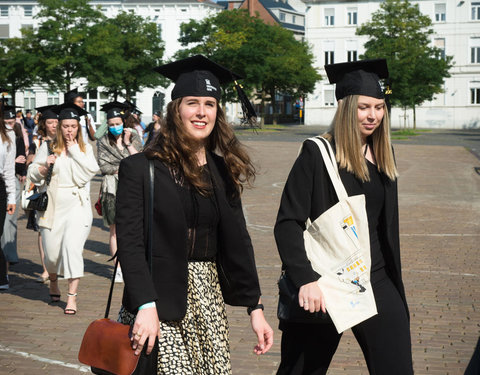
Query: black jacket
x,y
308,193
168,284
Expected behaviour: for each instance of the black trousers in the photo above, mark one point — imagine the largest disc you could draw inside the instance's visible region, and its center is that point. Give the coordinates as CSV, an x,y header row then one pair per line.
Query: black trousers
x,y
3,212
308,349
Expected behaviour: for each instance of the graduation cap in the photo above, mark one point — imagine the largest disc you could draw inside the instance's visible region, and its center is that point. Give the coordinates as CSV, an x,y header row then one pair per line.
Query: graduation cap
x,y
200,76
70,96
47,112
358,78
9,112
69,111
132,107
115,109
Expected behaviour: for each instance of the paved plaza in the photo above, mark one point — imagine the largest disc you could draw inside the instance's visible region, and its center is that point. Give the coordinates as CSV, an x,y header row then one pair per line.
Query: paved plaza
x,y
440,240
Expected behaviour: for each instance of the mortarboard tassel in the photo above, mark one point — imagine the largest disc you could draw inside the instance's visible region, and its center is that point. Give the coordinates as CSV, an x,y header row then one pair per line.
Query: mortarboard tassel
x,y
388,92
249,114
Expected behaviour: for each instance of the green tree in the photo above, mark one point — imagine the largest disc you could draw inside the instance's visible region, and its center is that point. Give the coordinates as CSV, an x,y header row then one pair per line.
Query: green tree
x,y
18,64
60,40
122,53
400,33
268,57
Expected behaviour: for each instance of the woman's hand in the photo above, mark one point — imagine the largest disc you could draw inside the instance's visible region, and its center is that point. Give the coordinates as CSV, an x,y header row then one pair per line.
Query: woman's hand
x,y
11,209
51,160
263,331
21,159
310,297
70,141
146,327
127,135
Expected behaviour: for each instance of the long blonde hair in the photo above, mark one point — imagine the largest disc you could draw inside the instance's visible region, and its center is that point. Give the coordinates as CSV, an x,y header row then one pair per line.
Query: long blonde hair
x,y
344,129
58,144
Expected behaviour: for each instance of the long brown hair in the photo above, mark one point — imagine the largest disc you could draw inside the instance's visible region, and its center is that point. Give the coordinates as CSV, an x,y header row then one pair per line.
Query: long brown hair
x,y
3,130
174,147
344,129
58,144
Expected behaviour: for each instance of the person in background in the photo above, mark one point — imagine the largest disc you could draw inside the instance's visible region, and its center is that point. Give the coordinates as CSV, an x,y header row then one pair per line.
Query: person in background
x,y
7,181
66,223
29,125
47,131
112,148
87,123
153,129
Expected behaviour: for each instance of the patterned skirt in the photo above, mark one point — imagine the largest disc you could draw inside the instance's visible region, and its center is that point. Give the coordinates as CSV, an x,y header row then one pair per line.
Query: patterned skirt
x,y
197,344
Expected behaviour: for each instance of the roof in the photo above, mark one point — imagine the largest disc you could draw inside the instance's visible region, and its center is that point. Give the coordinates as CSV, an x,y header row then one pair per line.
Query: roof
x,y
276,4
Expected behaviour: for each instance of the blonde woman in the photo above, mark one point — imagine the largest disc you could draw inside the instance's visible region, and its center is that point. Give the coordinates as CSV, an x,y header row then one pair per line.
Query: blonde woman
x,y
360,137
66,223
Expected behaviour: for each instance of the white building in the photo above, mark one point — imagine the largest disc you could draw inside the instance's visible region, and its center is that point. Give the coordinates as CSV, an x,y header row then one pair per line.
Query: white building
x,y
330,28
167,14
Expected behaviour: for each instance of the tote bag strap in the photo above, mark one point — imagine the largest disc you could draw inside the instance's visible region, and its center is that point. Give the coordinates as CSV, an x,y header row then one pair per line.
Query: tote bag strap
x,y
331,165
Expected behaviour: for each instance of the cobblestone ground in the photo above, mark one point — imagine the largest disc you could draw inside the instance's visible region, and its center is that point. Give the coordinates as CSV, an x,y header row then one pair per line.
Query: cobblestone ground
x,y
440,236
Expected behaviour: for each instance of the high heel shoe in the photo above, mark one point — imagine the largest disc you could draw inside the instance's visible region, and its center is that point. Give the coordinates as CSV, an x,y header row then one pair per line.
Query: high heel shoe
x,y
54,298
70,311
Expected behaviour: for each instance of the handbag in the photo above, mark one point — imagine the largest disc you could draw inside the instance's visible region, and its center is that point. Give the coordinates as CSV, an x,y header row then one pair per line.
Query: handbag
x,y
337,244
288,308
28,190
39,201
106,345
98,203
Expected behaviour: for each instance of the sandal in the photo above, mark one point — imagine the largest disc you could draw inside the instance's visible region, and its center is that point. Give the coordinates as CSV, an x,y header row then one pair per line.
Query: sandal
x,y
54,298
70,311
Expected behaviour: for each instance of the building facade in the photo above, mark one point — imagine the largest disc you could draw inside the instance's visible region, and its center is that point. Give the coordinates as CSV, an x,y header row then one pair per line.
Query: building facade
x,y
168,15
330,28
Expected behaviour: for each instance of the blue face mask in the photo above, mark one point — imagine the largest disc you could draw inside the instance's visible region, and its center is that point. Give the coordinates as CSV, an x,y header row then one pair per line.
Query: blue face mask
x,y
116,130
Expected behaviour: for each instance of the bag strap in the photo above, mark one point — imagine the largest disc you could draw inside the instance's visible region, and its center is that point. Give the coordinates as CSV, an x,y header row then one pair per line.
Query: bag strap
x,y
50,169
149,236
331,165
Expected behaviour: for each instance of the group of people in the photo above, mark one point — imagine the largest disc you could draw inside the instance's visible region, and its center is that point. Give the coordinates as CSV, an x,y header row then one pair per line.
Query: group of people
x,y
200,255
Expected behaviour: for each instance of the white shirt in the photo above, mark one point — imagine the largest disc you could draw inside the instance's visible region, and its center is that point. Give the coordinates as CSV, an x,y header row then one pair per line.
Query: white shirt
x,y
7,166
84,127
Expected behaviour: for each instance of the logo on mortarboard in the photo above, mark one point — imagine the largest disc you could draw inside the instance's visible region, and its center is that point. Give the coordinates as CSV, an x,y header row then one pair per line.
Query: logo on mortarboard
x,y
116,114
73,114
209,86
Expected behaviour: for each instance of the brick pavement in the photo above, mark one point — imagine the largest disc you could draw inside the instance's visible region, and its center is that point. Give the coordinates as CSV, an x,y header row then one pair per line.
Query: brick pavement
x,y
439,207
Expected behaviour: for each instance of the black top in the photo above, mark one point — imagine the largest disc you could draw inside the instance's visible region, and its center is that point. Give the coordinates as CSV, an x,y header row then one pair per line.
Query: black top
x,y
375,196
201,214
20,168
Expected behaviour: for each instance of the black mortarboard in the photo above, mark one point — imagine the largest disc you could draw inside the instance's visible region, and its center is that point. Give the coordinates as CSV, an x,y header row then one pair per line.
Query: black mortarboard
x,y
9,112
47,112
358,78
69,111
132,107
70,96
200,76
115,109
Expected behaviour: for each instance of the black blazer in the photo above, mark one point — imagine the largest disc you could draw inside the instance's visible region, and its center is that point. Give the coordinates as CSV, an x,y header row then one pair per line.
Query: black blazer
x,y
168,285
308,193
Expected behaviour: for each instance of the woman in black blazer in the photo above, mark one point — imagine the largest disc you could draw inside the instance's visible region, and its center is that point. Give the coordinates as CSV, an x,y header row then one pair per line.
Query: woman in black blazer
x,y
202,256
360,136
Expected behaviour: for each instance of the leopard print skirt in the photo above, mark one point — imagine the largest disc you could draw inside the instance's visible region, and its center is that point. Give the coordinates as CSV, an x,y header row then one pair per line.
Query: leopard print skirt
x,y
197,344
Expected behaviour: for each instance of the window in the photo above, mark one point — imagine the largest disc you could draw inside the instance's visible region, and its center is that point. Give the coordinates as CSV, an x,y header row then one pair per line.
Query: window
x,y
440,12
52,98
329,17
159,30
29,99
329,57
351,56
476,11
351,16
475,50
440,44
293,19
329,95
475,94
28,10
4,31
4,10
282,17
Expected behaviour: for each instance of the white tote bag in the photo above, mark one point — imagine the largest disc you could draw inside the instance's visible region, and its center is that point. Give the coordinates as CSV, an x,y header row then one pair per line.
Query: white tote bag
x,y
338,246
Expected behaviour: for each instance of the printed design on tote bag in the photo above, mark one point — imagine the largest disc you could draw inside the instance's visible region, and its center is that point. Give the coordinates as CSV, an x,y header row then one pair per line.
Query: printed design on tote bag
x,y
354,272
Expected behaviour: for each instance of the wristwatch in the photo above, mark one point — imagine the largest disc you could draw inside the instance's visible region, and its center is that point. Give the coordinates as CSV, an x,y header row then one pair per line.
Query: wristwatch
x,y
250,309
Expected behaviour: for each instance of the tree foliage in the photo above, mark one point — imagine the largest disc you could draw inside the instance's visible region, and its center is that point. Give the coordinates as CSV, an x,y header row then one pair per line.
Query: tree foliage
x,y
122,53
399,32
268,57
60,40
18,64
